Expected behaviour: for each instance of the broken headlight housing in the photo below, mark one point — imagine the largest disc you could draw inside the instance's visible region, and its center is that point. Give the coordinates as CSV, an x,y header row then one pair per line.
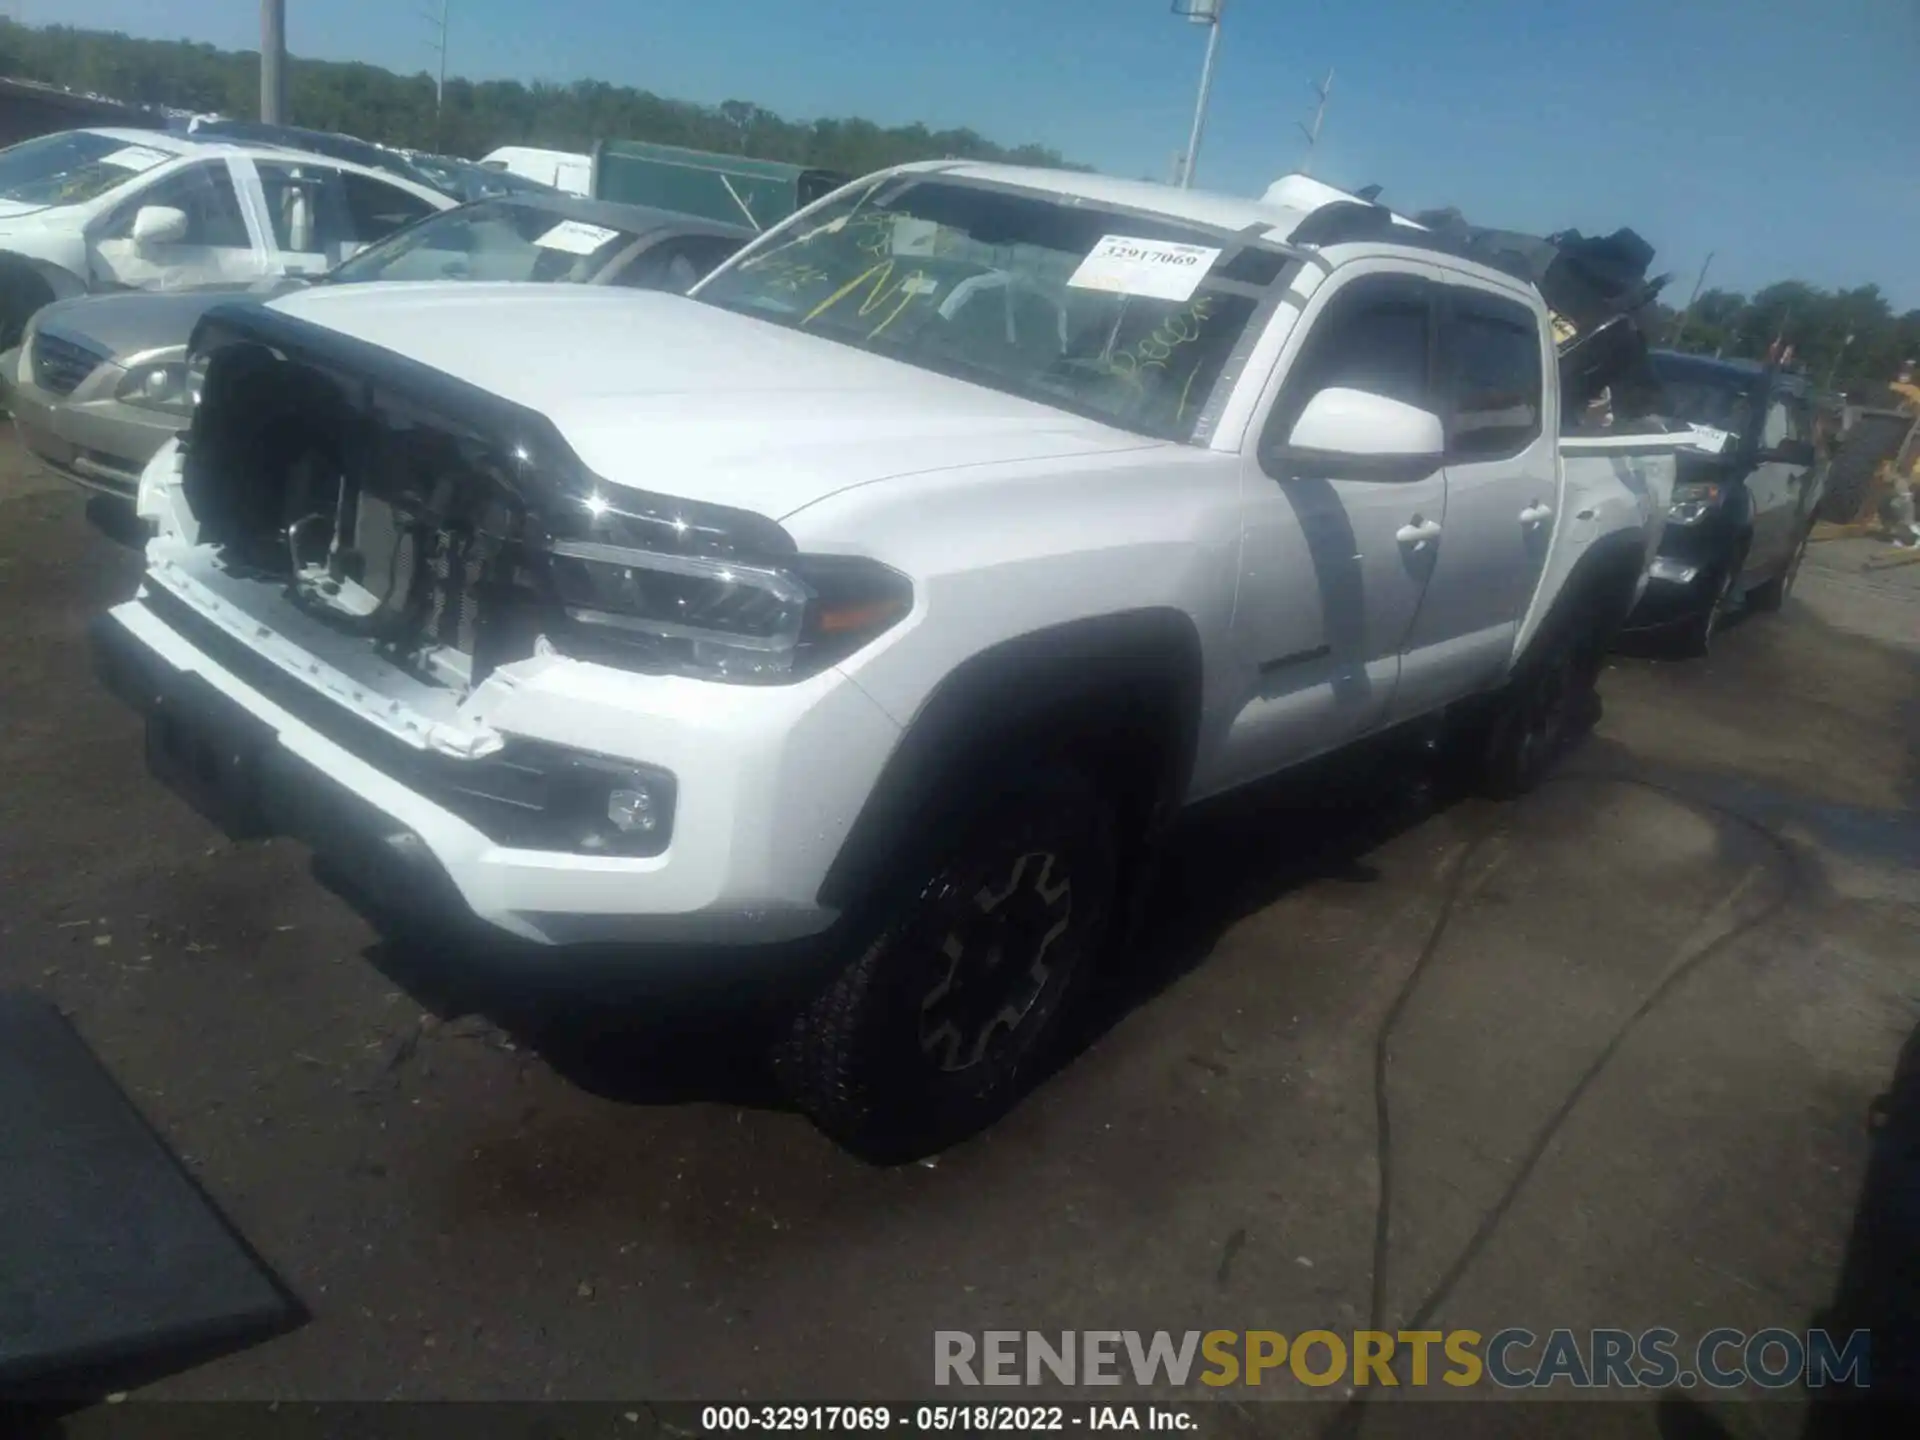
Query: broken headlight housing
x,y
696,598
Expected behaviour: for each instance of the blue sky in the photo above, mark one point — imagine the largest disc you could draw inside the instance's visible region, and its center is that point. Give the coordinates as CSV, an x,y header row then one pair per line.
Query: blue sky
x,y
1784,137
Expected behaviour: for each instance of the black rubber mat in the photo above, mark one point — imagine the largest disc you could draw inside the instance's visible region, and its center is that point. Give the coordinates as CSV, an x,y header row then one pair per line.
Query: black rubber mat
x,y
115,1268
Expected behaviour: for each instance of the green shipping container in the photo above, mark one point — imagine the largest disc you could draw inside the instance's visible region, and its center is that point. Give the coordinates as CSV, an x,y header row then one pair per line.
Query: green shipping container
x,y
701,182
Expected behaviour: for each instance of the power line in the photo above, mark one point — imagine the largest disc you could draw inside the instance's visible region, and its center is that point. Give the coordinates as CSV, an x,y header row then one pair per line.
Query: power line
x,y
1325,91
439,22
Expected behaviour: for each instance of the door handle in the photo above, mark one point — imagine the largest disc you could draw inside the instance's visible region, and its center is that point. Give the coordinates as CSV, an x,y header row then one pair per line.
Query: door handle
x,y
1536,515
1419,533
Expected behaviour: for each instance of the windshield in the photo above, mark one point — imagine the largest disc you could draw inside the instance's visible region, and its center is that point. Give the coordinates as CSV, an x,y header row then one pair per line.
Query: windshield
x,y
491,240
73,166
1107,315
1701,395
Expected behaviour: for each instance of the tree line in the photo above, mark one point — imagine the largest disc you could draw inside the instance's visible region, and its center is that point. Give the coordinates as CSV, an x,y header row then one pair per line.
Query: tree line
x,y
1852,336
377,104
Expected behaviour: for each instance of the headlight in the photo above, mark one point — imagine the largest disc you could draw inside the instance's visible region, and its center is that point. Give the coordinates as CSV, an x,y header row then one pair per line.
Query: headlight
x,y
719,618
1694,501
169,386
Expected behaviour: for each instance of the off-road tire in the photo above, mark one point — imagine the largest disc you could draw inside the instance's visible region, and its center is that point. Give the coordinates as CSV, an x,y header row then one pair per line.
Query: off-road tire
x,y
857,1058
1543,708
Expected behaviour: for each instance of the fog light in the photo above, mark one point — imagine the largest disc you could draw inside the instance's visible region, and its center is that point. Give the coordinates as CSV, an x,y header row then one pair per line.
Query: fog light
x,y
1673,571
631,812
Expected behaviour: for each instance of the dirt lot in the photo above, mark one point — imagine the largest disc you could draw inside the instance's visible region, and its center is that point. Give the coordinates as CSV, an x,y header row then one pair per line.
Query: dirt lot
x,y
1630,1032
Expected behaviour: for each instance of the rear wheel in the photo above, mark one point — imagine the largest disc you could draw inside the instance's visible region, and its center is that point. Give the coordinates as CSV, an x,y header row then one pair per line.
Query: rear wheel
x,y
1536,717
958,982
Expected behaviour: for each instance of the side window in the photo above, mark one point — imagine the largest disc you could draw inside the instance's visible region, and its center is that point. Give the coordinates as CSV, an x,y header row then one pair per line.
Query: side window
x,y
1491,351
376,209
1776,428
204,193
1799,419
1376,336
295,196
674,264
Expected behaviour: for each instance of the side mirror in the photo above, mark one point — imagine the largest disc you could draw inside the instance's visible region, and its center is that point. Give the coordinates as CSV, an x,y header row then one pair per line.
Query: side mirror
x,y
159,225
1366,436
1792,452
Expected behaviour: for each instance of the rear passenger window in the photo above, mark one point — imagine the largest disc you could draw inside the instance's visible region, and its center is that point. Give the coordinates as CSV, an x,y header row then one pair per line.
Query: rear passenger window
x,y
375,209
1492,352
1799,419
1776,428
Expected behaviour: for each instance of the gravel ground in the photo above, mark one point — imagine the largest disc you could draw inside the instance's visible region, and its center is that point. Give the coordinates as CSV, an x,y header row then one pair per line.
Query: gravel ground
x,y
1632,1029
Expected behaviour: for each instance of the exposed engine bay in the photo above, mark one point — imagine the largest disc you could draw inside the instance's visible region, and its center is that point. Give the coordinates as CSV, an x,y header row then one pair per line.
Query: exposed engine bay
x,y
393,519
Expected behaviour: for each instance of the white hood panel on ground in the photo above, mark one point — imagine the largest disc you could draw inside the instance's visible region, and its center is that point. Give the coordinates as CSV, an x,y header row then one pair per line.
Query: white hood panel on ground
x,y
680,398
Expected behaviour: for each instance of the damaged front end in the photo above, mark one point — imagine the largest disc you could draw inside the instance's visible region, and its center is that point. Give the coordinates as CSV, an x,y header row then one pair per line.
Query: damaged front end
x,y
418,518
400,564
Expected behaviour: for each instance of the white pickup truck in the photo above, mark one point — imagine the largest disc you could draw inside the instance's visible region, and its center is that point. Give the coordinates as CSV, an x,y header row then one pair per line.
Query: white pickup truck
x,y
877,606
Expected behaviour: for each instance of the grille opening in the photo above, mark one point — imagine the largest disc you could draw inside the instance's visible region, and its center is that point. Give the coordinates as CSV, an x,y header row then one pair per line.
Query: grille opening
x,y
388,522
59,364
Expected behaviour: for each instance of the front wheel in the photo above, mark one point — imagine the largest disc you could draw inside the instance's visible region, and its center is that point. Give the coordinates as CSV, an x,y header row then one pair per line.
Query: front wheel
x,y
956,986
1534,719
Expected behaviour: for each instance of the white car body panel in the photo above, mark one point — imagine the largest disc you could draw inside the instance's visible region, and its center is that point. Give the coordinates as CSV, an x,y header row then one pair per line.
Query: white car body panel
x,y
1318,619
561,169
716,393
65,238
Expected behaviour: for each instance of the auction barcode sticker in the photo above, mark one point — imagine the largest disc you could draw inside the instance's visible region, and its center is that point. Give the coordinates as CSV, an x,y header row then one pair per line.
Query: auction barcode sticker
x,y
135,157
1157,269
576,237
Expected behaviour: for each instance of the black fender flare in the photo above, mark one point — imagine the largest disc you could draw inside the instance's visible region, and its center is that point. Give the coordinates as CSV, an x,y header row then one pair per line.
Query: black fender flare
x,y
1120,691
1595,599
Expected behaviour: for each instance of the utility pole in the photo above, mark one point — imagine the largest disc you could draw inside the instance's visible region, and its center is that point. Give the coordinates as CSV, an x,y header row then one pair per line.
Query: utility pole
x,y
1207,13
440,80
1680,325
273,61
1324,89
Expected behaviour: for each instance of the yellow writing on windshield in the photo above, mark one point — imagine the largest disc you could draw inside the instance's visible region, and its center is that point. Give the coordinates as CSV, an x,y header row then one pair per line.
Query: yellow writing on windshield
x,y
787,275
879,294
1157,347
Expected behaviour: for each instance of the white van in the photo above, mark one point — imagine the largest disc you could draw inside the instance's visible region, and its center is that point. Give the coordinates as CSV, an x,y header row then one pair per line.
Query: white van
x,y
558,168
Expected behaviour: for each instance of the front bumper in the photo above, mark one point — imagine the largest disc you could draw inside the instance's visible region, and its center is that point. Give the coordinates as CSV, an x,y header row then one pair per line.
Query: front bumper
x,y
759,815
102,444
1684,576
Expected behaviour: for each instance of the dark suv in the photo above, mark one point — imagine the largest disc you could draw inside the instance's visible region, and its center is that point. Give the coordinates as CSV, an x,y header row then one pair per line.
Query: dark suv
x,y
1743,502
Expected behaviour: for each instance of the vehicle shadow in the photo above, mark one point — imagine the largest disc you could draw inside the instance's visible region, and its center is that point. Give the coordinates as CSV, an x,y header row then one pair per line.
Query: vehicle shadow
x,y
115,519
1235,857
1879,1285
1878,1290
652,1027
